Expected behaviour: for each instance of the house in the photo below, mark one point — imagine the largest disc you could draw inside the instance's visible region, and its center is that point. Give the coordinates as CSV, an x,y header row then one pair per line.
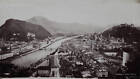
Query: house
x,y
86,74
42,71
102,73
5,56
110,53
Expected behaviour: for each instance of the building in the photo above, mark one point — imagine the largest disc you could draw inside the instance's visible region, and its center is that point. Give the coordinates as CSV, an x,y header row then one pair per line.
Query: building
x,y
5,56
110,53
102,73
86,74
54,65
126,57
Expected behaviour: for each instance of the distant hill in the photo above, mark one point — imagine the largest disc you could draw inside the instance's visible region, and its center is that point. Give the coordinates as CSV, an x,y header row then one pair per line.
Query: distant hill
x,y
22,28
130,33
55,27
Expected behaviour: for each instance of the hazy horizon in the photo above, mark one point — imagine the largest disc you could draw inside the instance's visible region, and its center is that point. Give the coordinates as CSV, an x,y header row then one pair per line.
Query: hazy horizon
x,y
100,13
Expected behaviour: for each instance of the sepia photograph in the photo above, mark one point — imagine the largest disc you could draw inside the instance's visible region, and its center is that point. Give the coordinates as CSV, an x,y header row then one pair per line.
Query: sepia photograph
x,y
74,39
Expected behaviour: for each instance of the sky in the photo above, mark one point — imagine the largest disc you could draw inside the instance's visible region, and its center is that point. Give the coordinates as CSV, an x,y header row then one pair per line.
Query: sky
x,y
95,12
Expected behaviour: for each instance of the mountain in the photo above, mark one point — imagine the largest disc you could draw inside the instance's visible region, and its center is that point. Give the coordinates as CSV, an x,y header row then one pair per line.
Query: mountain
x,y
22,28
49,25
56,27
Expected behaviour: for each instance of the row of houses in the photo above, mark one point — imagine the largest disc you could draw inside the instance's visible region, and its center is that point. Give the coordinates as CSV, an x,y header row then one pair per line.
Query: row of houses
x,y
20,49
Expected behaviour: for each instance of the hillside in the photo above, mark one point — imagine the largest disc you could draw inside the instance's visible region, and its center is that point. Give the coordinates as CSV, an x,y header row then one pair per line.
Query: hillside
x,y
130,33
22,28
56,27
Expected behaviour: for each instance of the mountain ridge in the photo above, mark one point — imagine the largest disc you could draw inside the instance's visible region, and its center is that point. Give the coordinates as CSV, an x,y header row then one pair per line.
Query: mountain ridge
x,y
56,27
